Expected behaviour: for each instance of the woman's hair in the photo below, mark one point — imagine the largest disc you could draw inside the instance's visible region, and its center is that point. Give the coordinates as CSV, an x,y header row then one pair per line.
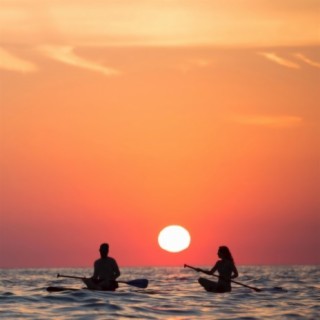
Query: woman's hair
x,y
226,253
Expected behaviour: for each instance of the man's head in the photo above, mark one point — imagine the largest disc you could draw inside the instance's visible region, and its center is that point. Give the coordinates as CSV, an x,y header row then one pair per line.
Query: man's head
x,y
104,250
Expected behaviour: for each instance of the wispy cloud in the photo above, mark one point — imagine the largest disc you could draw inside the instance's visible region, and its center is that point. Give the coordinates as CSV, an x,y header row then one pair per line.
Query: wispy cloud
x,y
161,22
267,120
11,62
189,64
279,60
310,62
65,54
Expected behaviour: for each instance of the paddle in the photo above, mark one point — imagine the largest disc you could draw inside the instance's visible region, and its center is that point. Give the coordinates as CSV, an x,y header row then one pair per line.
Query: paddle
x,y
208,273
139,283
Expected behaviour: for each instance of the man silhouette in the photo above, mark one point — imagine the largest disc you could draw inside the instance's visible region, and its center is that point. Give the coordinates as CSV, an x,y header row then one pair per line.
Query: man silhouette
x,y
106,271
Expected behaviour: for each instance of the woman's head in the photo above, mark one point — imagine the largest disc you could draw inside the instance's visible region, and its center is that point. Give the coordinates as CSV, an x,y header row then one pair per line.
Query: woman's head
x,y
224,253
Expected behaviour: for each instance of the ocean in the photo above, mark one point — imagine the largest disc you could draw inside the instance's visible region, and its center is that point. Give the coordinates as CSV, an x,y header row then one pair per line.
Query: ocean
x,y
173,293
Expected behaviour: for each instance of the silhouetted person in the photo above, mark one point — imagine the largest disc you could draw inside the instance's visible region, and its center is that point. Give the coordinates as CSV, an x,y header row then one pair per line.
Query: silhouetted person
x,y
226,269
106,271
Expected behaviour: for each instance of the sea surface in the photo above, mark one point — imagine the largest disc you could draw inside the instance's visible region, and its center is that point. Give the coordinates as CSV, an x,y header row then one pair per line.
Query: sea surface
x,y
173,294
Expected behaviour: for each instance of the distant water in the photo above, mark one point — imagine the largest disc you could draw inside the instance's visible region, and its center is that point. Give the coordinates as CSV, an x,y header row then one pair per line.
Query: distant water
x,y
172,294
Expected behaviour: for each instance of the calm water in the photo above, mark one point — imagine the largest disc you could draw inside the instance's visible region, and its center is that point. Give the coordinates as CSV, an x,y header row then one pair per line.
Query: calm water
x,y
173,293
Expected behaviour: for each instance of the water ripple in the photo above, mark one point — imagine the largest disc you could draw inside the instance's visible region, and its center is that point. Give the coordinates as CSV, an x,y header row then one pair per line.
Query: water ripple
x,y
173,294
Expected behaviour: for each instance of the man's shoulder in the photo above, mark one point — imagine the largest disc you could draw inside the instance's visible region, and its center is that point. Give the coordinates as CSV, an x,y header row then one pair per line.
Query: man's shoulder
x,y
104,260
111,259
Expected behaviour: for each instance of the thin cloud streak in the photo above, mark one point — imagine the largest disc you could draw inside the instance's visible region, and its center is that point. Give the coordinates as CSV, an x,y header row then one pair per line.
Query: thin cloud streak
x,y
281,61
10,62
190,64
308,61
160,23
66,55
268,121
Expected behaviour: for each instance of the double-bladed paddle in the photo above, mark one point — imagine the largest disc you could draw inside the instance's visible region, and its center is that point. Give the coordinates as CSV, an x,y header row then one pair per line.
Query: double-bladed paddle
x,y
139,283
208,273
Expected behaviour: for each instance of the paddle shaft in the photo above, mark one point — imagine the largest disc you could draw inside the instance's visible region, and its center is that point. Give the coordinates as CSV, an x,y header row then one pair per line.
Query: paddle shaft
x,y
208,273
71,277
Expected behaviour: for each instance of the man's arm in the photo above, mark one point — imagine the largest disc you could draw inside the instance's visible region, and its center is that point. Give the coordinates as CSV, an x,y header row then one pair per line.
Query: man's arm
x,y
95,270
116,270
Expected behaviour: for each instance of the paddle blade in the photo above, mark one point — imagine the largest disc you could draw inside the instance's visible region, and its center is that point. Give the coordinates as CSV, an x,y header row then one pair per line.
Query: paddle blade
x,y
139,283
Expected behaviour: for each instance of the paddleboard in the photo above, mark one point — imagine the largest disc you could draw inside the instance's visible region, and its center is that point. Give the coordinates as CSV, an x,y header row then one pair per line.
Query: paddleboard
x,y
59,289
208,285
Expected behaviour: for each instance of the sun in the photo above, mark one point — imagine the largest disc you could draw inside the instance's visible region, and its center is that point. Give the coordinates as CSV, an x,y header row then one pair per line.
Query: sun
x,y
174,238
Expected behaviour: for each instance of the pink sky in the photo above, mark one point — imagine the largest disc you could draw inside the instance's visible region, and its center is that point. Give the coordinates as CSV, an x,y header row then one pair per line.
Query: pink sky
x,y
119,119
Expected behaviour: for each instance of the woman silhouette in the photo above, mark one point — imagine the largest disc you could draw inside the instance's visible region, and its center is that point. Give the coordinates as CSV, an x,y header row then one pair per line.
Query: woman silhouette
x,y
226,269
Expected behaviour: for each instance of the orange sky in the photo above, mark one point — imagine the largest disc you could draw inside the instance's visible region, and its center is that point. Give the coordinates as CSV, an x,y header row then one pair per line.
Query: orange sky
x,y
120,118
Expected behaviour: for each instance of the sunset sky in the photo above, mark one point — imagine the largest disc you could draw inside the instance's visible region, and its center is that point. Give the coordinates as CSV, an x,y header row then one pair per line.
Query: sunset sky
x,y
119,118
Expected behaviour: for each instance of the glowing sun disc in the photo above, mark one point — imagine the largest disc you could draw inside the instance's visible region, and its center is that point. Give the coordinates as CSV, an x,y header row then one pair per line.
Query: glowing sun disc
x,y
174,238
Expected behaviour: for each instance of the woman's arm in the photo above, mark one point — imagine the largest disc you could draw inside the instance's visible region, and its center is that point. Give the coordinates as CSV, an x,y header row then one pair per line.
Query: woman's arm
x,y
214,268
235,272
